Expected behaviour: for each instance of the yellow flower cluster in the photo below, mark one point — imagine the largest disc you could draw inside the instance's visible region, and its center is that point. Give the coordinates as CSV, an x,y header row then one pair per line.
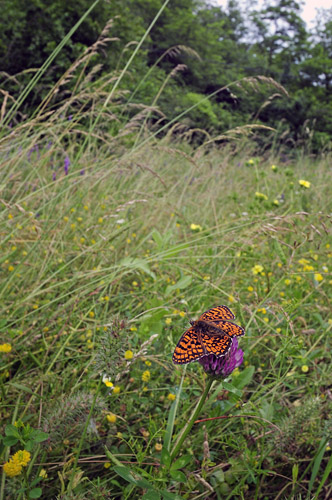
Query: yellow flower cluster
x,y
146,376
257,269
5,347
14,465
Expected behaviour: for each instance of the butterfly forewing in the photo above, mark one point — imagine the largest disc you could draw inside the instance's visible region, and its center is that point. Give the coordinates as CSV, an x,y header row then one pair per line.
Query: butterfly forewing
x,y
216,313
189,348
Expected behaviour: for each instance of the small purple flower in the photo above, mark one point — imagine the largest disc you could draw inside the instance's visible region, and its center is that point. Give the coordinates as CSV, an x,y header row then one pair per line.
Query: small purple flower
x,y
223,366
54,176
66,166
82,172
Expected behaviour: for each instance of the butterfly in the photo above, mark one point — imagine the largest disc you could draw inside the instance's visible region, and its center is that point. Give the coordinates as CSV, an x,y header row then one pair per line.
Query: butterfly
x,y
211,333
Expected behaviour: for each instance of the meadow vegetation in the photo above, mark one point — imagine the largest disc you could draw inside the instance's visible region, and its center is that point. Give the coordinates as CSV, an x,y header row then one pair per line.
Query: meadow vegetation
x,y
113,236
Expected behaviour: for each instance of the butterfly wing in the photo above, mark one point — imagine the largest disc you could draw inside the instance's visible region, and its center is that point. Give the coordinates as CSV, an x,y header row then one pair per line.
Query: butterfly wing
x,y
189,348
229,328
217,313
218,345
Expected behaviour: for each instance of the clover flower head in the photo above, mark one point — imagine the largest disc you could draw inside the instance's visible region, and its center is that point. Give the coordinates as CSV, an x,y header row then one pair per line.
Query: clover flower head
x,y
223,366
12,468
22,457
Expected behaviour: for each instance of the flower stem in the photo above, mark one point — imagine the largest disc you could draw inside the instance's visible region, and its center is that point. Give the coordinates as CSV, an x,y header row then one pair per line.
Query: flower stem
x,y
185,431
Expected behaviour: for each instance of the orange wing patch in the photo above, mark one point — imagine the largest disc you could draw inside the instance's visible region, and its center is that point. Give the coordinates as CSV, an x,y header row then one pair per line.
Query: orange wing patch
x,y
218,312
189,348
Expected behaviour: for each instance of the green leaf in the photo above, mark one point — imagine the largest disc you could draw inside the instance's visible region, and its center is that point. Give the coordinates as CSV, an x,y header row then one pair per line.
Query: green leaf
x,y
10,441
172,414
230,387
183,282
170,496
165,457
125,473
244,377
151,495
35,493
317,462
29,445
39,436
182,462
11,430
137,264
177,475
22,387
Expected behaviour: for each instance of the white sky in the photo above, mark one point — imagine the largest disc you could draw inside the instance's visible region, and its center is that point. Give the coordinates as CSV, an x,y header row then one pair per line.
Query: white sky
x,y
308,9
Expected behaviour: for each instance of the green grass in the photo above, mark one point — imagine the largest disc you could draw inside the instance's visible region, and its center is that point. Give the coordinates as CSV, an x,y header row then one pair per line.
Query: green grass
x,y
97,264
117,254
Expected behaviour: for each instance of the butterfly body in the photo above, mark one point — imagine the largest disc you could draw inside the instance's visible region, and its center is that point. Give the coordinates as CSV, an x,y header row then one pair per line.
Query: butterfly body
x,y
211,333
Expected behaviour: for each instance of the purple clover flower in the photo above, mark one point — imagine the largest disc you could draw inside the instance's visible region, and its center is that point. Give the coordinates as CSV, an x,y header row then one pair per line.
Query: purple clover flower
x,y
66,165
223,366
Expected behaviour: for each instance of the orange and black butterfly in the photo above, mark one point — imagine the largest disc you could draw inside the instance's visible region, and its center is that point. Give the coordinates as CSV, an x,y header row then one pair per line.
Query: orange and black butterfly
x,y
211,333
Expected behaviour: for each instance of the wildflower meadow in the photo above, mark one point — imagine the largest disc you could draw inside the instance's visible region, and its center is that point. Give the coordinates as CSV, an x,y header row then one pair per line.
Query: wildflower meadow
x,y
116,233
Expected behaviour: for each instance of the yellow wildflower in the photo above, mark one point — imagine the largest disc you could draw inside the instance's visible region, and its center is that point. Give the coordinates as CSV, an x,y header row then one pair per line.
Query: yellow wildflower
x,y
287,282
250,288
107,465
91,314
168,321
111,418
261,196
43,474
147,362
318,277
171,397
11,268
107,382
257,269
158,446
5,347
146,376
129,355
305,368
305,184
195,227
274,168
116,389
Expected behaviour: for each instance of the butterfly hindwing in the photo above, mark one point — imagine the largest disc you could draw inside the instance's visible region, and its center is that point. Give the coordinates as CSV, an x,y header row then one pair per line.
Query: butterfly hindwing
x,y
230,329
217,313
189,348
216,344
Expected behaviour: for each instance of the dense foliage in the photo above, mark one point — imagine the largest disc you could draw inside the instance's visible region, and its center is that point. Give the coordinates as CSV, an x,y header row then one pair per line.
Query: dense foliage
x,y
201,47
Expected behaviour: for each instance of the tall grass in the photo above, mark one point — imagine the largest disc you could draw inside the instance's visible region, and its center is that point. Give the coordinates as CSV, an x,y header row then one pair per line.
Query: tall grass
x,y
110,244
